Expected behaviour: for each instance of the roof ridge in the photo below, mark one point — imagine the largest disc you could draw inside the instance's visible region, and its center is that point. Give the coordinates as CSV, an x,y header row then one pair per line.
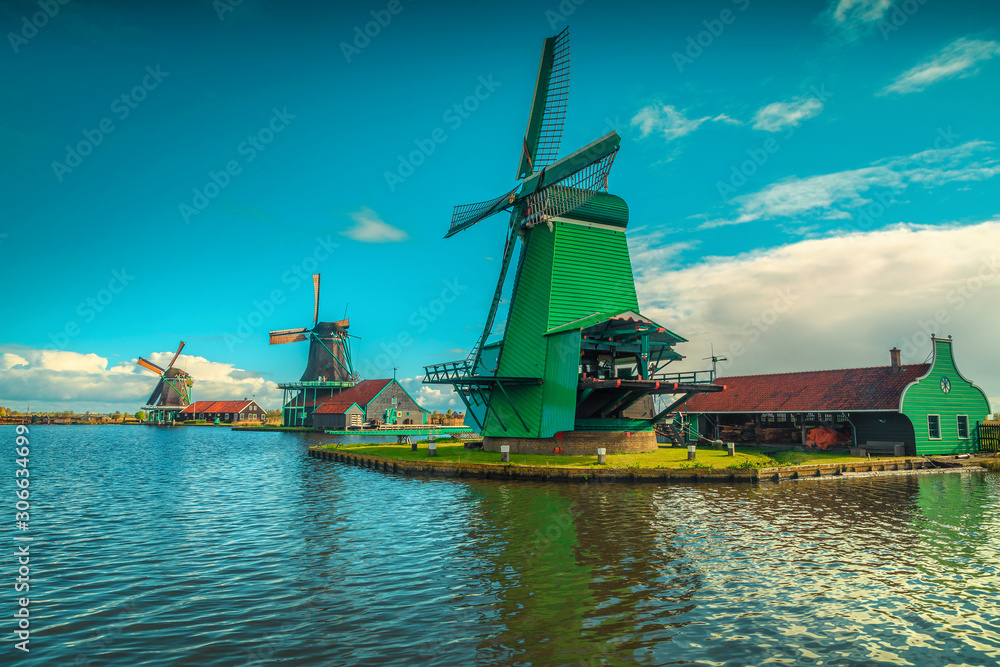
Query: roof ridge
x,y
824,370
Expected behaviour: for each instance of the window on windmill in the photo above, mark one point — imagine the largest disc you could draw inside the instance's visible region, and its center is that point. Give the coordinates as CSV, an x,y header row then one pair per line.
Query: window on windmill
x,y
963,427
934,427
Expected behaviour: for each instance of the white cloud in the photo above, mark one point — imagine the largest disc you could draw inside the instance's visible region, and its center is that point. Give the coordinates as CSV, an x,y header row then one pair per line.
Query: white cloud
x,y
670,122
853,18
725,118
779,115
957,59
846,301
62,380
370,228
666,120
432,397
841,194
9,361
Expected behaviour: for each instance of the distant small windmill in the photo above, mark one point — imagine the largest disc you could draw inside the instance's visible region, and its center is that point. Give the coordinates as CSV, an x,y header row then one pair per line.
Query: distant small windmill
x,y
329,346
715,359
172,392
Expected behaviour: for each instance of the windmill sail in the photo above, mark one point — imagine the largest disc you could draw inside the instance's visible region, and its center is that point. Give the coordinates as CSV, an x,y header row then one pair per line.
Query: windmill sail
x,y
466,215
288,336
548,107
315,298
570,193
150,366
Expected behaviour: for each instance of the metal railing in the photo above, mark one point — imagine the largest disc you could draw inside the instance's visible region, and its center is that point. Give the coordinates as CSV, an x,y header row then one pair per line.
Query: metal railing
x,y
687,377
447,371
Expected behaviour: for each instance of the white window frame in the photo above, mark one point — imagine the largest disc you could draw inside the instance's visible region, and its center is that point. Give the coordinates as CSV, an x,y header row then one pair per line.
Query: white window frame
x,y
968,430
929,436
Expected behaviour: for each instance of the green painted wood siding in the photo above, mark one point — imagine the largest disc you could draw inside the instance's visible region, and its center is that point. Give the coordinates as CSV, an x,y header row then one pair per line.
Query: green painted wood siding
x,y
523,353
591,272
562,374
568,273
602,208
925,397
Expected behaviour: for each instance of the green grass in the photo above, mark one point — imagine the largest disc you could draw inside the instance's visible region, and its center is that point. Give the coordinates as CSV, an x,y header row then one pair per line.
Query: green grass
x,y
805,458
664,457
991,464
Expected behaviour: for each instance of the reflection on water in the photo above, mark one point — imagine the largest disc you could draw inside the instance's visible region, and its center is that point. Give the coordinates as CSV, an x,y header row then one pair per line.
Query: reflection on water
x,y
203,546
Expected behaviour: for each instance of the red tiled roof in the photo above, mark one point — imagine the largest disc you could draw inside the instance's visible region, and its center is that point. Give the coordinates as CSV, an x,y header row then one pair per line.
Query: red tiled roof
x,y
292,403
362,393
810,391
215,406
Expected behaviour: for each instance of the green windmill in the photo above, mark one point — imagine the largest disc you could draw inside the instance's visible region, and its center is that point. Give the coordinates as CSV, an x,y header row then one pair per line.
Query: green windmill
x,y
576,365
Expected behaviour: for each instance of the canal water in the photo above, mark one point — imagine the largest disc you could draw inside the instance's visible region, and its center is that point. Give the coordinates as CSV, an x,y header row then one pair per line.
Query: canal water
x,y
200,546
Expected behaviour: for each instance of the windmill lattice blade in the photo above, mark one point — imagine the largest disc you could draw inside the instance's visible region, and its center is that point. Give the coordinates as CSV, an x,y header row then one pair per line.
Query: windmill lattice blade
x,y
571,192
154,398
150,366
466,215
288,336
548,107
176,354
316,300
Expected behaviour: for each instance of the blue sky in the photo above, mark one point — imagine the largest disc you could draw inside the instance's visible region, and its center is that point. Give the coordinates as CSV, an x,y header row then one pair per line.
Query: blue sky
x,y
843,151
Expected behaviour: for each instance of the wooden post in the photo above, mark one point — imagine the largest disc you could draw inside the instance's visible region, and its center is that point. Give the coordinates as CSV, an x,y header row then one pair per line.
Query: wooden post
x,y
601,455
732,448
432,448
505,453
691,451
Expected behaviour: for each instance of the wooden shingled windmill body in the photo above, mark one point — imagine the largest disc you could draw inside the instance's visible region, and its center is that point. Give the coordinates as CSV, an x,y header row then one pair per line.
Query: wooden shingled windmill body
x,y
171,394
329,369
576,365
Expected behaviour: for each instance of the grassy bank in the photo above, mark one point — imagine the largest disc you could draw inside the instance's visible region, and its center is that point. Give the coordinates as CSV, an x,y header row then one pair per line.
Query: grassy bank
x,y
664,457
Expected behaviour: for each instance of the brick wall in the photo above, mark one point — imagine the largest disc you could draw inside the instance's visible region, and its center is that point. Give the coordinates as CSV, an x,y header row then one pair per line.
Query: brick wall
x,y
578,443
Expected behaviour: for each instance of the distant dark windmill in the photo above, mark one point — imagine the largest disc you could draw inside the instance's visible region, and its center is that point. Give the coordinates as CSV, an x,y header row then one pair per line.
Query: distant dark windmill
x,y
329,368
172,392
329,346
